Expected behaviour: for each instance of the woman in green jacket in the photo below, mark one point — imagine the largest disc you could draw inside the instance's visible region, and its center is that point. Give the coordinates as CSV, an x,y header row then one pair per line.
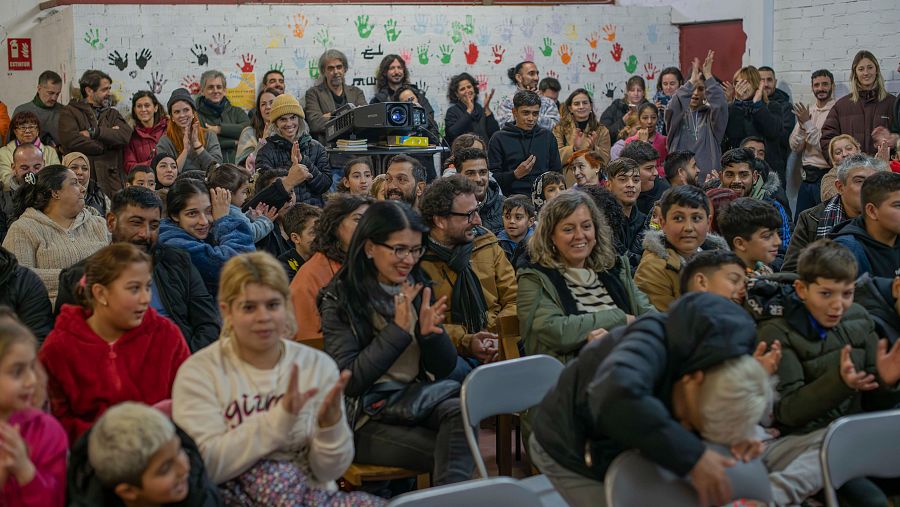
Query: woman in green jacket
x,y
576,288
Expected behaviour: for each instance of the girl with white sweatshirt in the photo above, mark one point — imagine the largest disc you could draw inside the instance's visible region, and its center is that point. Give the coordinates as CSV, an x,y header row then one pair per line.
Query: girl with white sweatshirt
x,y
266,412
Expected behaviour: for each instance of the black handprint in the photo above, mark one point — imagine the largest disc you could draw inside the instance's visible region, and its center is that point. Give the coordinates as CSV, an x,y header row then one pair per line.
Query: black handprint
x,y
142,58
157,82
610,90
199,52
116,59
422,86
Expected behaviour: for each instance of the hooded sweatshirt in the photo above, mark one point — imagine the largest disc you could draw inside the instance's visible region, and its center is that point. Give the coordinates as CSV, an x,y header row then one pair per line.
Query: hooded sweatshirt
x,y
511,146
872,256
874,294
87,374
617,394
47,445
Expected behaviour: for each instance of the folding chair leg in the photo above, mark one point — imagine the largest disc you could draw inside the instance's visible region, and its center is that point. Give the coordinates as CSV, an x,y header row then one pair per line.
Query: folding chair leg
x,y
504,446
518,439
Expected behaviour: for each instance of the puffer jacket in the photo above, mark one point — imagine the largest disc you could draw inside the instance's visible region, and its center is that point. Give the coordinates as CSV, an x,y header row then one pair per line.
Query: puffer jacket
x,y
22,290
617,394
550,324
105,148
874,294
491,211
142,146
658,274
276,154
498,284
812,392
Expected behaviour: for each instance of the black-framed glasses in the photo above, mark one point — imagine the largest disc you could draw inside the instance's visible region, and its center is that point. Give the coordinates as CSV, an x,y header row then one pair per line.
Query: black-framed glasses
x,y
470,216
402,251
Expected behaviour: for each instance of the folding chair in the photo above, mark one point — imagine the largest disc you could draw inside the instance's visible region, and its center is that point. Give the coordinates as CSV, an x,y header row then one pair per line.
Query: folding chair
x,y
503,388
634,481
865,445
478,493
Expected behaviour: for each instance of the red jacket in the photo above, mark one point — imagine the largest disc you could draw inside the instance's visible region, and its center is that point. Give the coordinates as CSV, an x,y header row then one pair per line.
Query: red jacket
x,y
142,146
87,375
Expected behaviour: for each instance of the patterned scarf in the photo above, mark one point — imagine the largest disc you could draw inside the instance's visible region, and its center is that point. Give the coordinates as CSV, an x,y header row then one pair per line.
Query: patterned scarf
x,y
832,215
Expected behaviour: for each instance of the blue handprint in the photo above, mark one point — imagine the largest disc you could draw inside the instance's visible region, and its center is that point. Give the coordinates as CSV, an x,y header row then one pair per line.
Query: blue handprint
x,y
506,29
484,35
439,25
555,25
300,57
528,27
652,34
421,25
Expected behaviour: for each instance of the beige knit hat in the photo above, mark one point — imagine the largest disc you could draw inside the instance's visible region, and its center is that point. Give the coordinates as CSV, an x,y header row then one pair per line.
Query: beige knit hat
x,y
285,104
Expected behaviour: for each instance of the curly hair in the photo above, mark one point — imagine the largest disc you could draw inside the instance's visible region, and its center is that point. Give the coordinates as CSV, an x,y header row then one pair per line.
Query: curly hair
x,y
381,77
335,211
455,81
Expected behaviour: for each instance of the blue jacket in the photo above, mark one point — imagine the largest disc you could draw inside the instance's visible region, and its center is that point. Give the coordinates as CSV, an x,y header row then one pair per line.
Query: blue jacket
x,y
259,228
508,245
228,237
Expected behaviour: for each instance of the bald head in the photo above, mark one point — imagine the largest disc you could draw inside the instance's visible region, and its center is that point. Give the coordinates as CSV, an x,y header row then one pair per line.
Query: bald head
x,y
27,158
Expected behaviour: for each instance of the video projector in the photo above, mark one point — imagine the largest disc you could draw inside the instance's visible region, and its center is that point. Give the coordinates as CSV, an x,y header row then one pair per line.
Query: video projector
x,y
377,121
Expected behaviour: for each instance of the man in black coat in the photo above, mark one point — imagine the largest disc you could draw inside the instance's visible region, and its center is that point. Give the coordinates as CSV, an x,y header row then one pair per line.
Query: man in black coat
x,y
628,390
178,290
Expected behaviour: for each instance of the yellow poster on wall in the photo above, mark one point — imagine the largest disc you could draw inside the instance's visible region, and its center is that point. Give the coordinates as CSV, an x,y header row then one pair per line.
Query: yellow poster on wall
x,y
241,91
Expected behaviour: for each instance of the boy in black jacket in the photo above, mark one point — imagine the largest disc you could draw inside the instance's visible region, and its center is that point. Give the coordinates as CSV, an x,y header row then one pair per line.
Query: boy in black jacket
x,y
523,150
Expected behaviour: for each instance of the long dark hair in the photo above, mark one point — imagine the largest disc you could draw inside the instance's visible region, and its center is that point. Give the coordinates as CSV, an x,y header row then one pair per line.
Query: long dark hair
x,y
675,71
334,212
359,275
381,78
257,121
180,192
160,110
569,119
455,81
37,195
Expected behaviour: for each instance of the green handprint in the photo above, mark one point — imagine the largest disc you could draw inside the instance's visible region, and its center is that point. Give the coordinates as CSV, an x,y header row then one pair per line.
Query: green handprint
x,y
313,69
469,27
590,88
92,37
631,64
423,54
547,50
363,27
456,29
446,53
323,38
390,29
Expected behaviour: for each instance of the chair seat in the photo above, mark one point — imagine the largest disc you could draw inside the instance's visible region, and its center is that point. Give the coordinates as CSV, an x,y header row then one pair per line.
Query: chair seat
x,y
360,472
540,485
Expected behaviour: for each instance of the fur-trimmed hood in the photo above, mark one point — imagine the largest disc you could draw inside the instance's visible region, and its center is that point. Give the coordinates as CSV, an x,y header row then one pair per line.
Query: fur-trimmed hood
x,y
655,243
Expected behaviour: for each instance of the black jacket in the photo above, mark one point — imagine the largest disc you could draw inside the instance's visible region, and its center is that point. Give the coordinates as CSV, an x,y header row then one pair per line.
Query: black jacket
x,y
95,198
85,489
22,290
510,146
276,154
612,118
458,121
633,237
355,346
788,119
617,394
874,294
181,290
765,122
491,212
274,243
882,260
646,200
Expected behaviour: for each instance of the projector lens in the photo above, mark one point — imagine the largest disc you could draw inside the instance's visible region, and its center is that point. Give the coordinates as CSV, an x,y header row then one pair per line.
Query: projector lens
x,y
397,115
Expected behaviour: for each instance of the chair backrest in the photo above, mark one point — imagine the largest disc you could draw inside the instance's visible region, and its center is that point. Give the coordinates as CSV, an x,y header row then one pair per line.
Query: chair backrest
x,y
865,445
478,493
503,388
634,481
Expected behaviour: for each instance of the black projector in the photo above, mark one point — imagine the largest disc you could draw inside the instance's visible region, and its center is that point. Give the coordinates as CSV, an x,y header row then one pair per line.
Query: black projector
x,y
376,121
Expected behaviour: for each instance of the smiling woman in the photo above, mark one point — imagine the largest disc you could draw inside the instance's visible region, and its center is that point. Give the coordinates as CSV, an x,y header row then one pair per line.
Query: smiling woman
x,y
192,146
150,124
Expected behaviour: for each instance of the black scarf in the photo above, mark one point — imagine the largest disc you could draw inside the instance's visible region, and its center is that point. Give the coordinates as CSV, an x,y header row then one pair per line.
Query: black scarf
x,y
467,304
215,109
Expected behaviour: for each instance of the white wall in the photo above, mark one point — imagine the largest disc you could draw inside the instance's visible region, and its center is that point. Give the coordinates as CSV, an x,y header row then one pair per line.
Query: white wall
x,y
266,32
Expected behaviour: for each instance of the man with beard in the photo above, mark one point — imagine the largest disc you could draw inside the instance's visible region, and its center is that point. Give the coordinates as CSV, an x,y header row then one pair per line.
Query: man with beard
x,y
472,163
405,180
681,168
744,173
178,291
467,265
92,127
46,107
273,79
780,105
806,135
27,159
525,76
392,74
330,94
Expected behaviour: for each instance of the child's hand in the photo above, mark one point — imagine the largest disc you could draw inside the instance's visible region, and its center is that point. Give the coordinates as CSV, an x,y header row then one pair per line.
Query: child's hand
x,y
861,381
220,202
14,454
264,210
294,400
769,360
888,363
747,450
330,410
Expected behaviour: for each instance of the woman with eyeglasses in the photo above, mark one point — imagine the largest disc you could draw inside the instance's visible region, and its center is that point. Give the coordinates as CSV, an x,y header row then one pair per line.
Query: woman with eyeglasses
x,y
333,232
25,128
379,321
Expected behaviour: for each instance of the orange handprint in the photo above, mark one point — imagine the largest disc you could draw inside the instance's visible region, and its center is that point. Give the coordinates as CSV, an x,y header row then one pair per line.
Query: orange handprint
x,y
565,54
299,26
593,40
610,31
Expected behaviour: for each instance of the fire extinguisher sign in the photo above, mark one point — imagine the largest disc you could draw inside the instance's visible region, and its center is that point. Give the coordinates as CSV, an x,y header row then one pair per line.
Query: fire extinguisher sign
x,y
19,53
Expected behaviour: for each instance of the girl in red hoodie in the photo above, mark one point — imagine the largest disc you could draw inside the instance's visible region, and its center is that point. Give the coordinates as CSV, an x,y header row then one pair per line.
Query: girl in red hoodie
x,y
115,347
150,123
33,445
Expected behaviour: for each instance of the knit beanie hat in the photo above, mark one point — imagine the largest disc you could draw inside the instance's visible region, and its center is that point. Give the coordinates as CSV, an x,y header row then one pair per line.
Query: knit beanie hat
x,y
180,94
285,104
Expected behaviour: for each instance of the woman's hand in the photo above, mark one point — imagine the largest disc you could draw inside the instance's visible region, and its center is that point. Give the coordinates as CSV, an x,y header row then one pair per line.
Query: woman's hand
x,y
431,316
596,334
330,412
14,454
186,139
195,136
403,304
487,102
644,135
293,400
300,172
220,201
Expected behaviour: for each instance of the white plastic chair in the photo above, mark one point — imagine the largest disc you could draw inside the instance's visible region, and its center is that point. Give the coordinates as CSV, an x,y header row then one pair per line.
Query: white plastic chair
x,y
493,492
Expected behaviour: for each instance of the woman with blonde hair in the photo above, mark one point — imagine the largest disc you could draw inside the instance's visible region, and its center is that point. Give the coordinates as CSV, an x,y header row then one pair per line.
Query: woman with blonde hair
x,y
752,115
266,412
192,146
577,287
867,112
839,148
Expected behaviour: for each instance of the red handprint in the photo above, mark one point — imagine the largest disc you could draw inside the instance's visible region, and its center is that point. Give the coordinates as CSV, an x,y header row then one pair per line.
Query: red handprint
x,y
482,82
498,53
650,70
248,61
593,60
616,52
472,53
191,83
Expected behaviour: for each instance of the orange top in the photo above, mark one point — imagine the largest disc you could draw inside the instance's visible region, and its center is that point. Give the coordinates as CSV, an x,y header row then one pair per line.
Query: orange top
x,y
312,276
